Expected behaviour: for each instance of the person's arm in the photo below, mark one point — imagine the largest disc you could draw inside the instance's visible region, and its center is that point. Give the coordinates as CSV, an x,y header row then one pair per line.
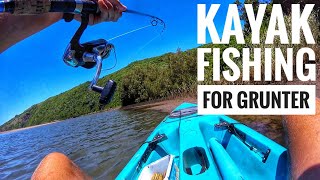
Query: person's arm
x,y
14,28
303,139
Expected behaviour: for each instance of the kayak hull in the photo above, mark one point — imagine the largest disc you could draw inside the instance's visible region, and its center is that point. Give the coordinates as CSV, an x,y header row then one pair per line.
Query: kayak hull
x,y
204,150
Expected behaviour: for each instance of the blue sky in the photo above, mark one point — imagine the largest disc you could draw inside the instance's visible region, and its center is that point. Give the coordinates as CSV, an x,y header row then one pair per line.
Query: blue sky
x,y
32,70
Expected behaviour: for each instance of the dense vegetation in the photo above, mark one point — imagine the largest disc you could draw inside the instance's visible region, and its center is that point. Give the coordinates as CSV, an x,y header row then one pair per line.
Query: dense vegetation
x,y
153,78
174,74
169,75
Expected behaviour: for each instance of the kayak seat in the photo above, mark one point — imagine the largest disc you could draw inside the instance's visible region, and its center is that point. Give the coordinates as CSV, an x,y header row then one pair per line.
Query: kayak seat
x,y
227,167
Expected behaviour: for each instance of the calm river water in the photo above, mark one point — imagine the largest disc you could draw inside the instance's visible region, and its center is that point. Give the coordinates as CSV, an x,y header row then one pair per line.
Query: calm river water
x,y
101,144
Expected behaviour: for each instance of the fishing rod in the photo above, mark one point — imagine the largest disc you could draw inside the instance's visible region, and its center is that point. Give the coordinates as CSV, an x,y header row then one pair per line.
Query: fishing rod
x,y
86,55
155,20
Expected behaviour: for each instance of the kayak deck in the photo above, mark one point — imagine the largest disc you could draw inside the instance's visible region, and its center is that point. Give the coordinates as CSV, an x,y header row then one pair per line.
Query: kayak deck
x,y
209,147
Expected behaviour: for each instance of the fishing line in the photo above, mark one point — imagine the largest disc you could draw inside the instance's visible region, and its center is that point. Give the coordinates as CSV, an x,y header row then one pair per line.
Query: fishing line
x,y
154,22
140,28
139,50
116,60
126,33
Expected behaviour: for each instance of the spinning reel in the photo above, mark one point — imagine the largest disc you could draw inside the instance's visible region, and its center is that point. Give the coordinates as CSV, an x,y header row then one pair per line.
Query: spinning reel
x,y
89,55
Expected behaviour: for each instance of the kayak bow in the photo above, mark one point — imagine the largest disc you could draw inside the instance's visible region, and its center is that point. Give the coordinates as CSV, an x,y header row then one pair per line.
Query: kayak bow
x,y
206,147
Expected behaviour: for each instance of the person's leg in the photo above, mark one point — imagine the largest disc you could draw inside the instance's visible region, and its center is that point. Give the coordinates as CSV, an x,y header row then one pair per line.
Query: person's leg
x,y
303,135
58,166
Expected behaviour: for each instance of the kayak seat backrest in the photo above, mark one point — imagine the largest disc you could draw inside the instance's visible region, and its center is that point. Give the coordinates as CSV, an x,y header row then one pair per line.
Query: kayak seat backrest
x,y
227,167
195,161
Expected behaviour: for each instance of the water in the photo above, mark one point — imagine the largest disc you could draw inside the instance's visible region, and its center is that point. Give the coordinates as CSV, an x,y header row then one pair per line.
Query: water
x,y
100,144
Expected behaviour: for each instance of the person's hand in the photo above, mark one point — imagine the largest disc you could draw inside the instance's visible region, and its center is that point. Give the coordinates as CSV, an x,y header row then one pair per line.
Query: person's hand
x,y
111,10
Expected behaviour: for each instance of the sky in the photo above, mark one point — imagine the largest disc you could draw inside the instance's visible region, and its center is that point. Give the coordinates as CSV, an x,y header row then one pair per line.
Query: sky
x,y
32,70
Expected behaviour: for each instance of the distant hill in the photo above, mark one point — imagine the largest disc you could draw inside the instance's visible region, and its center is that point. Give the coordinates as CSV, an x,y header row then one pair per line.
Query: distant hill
x,y
140,81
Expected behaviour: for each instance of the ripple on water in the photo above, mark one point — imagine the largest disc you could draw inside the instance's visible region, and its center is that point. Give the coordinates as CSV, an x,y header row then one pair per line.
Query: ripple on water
x,y
101,144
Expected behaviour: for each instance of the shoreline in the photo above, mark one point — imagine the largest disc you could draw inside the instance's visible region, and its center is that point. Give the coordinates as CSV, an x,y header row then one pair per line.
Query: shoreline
x,y
165,105
30,127
162,105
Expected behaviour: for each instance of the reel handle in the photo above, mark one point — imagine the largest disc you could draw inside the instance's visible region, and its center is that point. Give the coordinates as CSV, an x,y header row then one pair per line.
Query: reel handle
x,y
106,92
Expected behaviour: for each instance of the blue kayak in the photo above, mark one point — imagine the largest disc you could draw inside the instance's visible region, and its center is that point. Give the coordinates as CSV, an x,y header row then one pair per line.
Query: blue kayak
x,y
186,146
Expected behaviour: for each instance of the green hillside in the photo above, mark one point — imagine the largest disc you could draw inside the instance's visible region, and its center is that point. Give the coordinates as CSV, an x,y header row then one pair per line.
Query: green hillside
x,y
140,81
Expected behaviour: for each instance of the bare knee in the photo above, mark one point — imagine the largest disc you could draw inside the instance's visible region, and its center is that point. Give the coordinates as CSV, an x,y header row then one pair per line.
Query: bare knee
x,y
56,157
58,166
